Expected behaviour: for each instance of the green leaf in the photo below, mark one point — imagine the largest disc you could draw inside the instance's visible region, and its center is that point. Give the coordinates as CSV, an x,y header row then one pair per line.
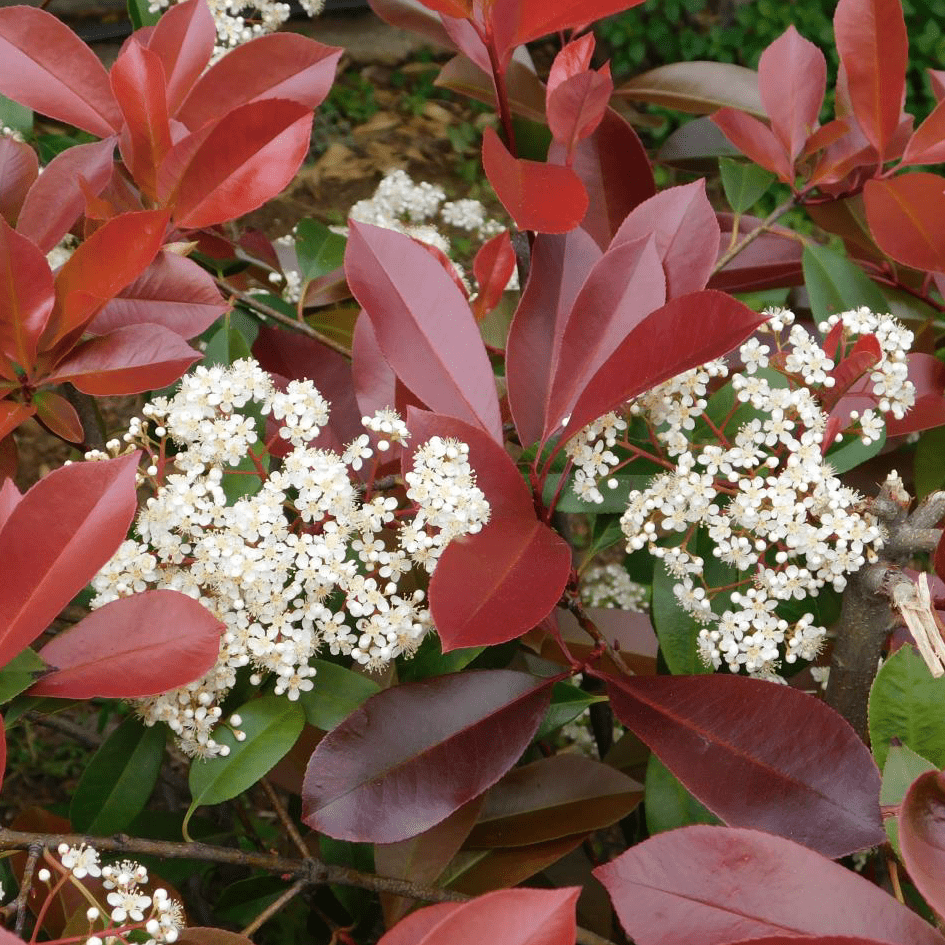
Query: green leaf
x,y
902,767
744,183
271,724
16,116
226,345
835,284
906,703
928,468
243,900
567,703
852,452
140,14
119,779
676,629
668,804
357,856
430,660
615,500
19,674
605,533
337,693
319,250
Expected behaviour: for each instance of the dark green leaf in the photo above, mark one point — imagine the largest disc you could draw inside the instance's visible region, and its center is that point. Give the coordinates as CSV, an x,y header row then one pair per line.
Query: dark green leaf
x,y
615,500
668,804
676,629
337,693
318,249
745,183
906,703
835,284
16,116
567,703
928,468
852,452
119,779
20,673
902,767
139,12
430,660
226,345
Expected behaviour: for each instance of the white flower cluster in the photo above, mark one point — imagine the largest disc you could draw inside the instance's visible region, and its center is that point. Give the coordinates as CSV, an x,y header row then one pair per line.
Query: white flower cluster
x,y
161,917
238,22
302,563
756,484
609,585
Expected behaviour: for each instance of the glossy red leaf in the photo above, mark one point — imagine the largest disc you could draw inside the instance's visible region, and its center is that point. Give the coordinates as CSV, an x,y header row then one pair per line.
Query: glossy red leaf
x,y
535,18
411,755
493,268
12,414
906,216
244,160
56,200
772,260
283,66
416,17
135,646
128,360
183,39
138,83
686,230
616,173
756,141
874,51
55,540
927,144
521,916
559,266
577,105
46,67
374,380
684,333
625,285
111,258
423,325
58,416
525,90
922,838
927,373
572,59
794,767
26,296
551,798
523,187
716,885
477,592
9,499
937,81
173,292
792,79
19,169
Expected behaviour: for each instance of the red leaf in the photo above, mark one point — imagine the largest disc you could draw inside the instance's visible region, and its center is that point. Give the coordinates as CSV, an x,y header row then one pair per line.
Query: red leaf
x,y
55,540
937,81
423,325
12,414
810,940
493,267
716,885
58,415
684,333
793,766
535,18
523,187
278,66
138,83
244,160
686,230
478,591
927,144
921,837
928,375
559,266
874,51
572,59
906,216
577,105
423,750
616,173
756,141
173,292
792,79
111,258
625,285
56,200
19,169
773,260
183,39
46,67
416,17
134,646
374,380
127,360
864,356
9,499
26,296
523,916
